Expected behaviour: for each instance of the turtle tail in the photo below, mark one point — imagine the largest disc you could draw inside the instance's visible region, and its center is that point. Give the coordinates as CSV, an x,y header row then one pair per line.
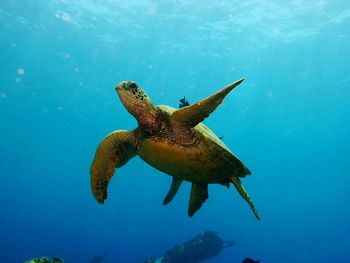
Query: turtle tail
x,y
237,183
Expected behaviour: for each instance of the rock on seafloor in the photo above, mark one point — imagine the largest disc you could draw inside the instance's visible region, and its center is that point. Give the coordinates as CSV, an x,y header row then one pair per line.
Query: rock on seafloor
x,y
45,260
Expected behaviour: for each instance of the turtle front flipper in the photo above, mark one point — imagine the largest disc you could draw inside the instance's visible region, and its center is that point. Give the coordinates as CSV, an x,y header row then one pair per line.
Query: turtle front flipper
x,y
199,194
175,185
114,151
197,112
237,183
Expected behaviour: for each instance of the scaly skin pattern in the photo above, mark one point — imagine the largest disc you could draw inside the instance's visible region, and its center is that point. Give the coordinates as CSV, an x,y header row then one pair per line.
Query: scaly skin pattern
x,y
198,158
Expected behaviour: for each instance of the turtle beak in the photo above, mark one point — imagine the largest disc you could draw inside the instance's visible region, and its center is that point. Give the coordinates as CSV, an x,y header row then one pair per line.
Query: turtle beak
x,y
126,93
121,86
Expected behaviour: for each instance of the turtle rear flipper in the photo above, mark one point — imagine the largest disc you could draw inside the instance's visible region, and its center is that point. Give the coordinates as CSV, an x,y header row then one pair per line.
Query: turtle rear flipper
x,y
199,194
175,185
240,188
197,112
114,151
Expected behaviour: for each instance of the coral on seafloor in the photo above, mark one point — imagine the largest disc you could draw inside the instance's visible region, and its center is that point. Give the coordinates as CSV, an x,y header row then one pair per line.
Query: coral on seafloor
x,y
45,260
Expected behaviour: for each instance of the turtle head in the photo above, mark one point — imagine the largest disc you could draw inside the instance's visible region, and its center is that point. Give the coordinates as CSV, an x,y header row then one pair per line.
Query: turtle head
x,y
137,102
133,97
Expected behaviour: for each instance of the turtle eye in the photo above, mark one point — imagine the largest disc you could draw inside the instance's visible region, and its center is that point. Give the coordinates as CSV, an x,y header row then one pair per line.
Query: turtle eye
x,y
131,85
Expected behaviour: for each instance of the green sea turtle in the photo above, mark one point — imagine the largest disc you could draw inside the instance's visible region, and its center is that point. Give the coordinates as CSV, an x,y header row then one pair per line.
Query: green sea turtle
x,y
174,141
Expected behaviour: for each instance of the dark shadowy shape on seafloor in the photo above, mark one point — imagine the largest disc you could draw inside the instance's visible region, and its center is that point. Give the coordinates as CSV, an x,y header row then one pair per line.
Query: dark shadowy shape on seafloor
x,y
249,260
45,260
198,249
98,259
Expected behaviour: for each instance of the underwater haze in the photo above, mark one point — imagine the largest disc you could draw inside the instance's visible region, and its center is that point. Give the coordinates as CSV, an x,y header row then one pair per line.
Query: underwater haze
x,y
288,121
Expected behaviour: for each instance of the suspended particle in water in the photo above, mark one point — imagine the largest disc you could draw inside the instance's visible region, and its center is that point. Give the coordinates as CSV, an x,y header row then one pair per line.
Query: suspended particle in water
x,y
60,108
245,110
66,55
3,95
18,80
65,17
76,69
269,95
20,71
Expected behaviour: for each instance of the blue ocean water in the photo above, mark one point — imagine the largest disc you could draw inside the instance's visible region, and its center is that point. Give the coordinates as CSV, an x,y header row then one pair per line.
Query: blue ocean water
x,y
288,121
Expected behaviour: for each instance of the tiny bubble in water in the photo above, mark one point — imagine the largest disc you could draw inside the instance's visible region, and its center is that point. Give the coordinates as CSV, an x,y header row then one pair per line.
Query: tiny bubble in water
x,y
20,71
66,55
